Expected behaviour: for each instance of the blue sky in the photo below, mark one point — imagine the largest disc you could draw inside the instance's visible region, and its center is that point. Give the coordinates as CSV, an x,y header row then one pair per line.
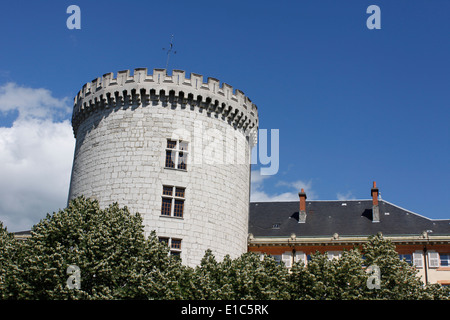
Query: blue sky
x,y
352,105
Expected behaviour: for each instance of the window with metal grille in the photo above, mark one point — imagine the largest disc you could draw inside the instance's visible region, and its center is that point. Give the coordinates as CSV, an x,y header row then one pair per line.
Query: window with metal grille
x,y
173,201
176,154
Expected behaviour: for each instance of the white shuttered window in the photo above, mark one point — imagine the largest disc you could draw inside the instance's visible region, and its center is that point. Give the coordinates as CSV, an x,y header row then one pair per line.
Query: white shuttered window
x,y
333,255
418,259
433,259
287,258
300,256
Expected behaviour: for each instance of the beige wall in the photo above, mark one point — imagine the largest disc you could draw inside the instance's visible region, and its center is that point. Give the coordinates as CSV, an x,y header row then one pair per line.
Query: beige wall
x,y
429,266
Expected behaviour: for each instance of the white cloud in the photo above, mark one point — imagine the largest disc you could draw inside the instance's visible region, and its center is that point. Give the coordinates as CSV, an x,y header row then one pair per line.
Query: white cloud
x,y
299,185
31,103
35,156
345,196
259,194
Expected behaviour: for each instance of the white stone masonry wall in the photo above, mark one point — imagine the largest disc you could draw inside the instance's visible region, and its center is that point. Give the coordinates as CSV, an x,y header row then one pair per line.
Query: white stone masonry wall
x,y
120,157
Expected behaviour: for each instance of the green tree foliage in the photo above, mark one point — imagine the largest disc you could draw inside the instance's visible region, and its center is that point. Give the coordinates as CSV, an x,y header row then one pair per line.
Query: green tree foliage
x,y
399,280
116,261
335,279
8,269
348,277
107,245
247,277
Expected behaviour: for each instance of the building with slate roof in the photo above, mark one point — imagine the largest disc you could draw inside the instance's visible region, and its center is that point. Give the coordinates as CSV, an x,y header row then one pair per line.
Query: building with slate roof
x,y
292,230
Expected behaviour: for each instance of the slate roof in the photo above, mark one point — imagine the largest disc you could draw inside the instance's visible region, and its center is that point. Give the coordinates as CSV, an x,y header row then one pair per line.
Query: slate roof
x,y
347,218
23,233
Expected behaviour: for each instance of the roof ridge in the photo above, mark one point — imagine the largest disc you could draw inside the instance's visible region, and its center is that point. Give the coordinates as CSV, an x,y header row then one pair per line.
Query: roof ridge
x,y
415,213
315,200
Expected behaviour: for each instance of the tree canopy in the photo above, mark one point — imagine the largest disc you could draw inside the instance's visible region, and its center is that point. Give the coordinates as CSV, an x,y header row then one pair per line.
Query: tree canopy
x,y
85,252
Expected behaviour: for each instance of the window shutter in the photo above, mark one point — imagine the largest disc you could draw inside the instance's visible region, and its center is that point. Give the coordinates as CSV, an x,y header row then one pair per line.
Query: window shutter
x,y
433,259
417,259
333,254
299,256
287,259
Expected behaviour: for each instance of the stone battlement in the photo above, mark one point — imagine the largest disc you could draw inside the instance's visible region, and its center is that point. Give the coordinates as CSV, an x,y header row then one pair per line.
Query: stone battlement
x,y
143,88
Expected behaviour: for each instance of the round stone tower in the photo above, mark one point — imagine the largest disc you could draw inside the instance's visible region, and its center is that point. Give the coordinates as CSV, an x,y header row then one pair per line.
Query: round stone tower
x,y
175,149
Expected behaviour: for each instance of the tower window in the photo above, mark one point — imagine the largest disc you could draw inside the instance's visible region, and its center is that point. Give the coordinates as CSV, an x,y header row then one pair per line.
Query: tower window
x,y
176,154
166,208
164,240
167,191
174,245
172,203
179,192
178,209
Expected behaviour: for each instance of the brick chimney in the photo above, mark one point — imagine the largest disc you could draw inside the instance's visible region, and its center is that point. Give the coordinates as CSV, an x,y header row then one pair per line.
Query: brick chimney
x,y
302,212
375,208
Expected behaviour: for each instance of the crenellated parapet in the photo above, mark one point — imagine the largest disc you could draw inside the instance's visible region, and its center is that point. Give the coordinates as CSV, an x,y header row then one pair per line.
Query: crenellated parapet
x,y
145,89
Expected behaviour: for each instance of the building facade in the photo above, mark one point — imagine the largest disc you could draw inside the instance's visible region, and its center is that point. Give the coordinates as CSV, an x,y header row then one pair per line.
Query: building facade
x,y
292,231
174,149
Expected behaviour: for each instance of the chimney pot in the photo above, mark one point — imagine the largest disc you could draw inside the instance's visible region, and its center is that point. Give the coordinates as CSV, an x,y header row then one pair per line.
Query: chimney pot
x,y
375,208
302,213
374,193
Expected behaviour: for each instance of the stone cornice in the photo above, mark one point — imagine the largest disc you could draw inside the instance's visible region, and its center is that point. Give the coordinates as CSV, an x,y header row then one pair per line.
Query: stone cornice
x,y
344,240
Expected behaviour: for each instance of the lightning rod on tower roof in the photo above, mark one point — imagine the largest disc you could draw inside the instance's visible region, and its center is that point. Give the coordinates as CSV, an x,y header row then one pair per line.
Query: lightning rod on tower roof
x,y
169,50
